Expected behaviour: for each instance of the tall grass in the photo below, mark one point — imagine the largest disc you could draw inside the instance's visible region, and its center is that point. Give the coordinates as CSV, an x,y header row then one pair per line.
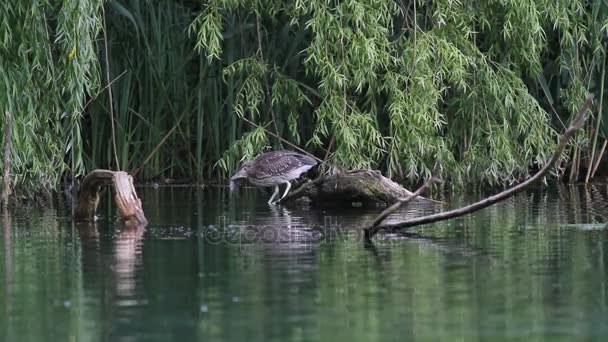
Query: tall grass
x,y
153,97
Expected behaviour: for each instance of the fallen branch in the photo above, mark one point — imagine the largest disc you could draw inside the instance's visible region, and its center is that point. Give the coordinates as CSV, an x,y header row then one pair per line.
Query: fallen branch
x,y
344,188
576,124
127,202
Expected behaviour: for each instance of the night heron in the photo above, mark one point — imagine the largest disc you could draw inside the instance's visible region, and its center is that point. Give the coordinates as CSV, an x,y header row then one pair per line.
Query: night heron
x,y
272,169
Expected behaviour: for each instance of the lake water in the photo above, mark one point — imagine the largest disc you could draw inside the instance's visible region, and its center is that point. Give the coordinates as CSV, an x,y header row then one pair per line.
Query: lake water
x,y
214,266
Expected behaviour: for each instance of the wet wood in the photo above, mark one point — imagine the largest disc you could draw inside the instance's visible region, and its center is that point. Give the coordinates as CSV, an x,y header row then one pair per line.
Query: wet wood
x,y
125,197
576,124
344,188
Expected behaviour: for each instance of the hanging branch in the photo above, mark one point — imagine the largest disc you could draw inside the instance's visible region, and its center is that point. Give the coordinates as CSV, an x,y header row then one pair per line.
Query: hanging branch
x,y
266,84
107,65
576,124
6,185
102,90
158,146
281,139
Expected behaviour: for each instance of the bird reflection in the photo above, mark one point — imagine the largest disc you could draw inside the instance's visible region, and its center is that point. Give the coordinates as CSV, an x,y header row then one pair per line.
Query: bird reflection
x,y
288,228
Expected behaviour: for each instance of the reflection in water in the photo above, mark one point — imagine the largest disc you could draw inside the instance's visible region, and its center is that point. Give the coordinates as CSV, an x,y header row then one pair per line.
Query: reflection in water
x,y
125,256
8,272
117,253
128,258
213,267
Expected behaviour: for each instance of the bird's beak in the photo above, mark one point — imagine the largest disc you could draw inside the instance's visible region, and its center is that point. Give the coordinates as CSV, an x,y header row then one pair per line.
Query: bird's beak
x,y
236,180
233,185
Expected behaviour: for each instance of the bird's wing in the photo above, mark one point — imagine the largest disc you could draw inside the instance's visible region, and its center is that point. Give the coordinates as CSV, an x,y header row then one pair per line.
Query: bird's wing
x,y
277,163
302,158
269,164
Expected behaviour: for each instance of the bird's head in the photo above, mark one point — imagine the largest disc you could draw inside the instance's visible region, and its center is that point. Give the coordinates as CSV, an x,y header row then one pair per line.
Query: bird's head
x,y
241,175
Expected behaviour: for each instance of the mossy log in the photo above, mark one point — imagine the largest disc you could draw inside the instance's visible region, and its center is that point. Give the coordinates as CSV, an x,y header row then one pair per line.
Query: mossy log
x,y
345,188
125,197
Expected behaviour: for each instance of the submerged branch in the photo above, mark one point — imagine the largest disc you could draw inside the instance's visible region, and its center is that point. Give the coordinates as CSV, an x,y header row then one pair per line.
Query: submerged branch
x,y
576,124
429,182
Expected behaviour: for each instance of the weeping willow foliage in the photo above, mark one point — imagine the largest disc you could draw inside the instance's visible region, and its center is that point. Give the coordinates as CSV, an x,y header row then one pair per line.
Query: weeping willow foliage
x,y
398,84
482,85
574,65
48,65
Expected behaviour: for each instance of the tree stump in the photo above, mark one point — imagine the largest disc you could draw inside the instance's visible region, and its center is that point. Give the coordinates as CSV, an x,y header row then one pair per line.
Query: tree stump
x,y
129,205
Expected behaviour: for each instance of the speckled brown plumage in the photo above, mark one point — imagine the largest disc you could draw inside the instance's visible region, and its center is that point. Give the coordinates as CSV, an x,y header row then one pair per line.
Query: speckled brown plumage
x,y
272,169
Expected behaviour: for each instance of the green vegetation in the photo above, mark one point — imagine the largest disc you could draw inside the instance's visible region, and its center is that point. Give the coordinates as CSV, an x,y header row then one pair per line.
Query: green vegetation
x,y
48,66
484,86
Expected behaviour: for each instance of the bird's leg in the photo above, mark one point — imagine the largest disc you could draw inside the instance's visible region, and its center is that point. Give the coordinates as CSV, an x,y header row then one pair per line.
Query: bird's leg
x,y
276,191
286,190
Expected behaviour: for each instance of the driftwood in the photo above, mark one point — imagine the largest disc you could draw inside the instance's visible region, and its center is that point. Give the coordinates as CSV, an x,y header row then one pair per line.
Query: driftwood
x,y
576,124
129,205
365,186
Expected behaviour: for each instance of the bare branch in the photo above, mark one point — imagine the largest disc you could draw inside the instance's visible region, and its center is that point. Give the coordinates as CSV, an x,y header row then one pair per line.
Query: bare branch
x,y
427,184
281,139
103,89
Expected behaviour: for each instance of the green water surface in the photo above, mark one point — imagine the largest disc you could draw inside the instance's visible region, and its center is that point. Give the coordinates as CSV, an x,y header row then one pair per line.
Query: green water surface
x,y
212,266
